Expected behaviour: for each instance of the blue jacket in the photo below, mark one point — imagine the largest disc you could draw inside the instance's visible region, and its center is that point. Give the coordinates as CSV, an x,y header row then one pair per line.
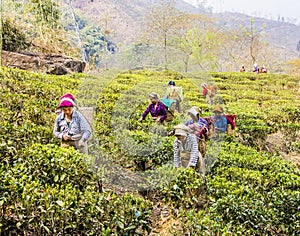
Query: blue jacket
x,y
220,123
78,125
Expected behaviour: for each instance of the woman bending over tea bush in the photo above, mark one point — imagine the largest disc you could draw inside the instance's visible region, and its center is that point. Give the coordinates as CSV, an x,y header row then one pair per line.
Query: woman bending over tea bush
x,y
71,126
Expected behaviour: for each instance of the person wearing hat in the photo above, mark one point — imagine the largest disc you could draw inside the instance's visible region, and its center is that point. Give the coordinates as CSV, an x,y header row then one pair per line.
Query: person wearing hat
x,y
67,97
198,126
209,92
174,93
242,69
185,148
255,68
204,89
194,112
220,121
71,126
156,108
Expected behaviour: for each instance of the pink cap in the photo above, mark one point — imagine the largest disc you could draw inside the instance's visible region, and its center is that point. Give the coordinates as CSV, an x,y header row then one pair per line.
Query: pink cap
x,y
66,103
67,95
67,100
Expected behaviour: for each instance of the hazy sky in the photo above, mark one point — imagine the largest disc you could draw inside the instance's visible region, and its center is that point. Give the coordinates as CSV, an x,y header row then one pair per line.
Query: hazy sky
x,y
263,8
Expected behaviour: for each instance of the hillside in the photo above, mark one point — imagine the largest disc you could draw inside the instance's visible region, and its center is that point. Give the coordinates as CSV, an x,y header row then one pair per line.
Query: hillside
x,y
48,190
280,34
126,19
124,35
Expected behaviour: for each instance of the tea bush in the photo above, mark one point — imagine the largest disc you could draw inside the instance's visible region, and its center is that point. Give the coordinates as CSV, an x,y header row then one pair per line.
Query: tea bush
x,y
244,185
185,190
47,190
50,190
28,102
263,103
119,108
247,192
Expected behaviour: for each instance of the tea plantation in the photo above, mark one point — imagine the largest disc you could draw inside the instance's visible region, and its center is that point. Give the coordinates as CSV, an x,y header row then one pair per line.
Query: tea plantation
x,y
249,187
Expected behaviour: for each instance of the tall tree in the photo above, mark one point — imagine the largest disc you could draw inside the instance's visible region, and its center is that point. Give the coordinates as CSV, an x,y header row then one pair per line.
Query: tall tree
x,y
183,43
200,44
253,40
83,52
45,12
244,46
164,22
234,49
207,53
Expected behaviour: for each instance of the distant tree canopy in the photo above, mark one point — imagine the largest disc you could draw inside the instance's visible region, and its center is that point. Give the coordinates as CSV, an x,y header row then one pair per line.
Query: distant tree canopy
x,y
35,26
294,66
13,39
45,12
167,37
95,43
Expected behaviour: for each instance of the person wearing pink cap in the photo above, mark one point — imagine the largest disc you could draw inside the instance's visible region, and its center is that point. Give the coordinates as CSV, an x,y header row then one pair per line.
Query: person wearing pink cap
x,y
67,97
71,126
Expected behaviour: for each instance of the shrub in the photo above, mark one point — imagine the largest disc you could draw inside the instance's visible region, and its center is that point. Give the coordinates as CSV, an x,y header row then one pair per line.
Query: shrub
x,y
51,191
185,190
13,39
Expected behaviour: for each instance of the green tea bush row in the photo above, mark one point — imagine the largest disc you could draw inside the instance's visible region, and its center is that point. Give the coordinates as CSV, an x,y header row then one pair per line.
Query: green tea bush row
x,y
237,155
256,214
185,190
50,191
264,104
28,103
119,108
247,192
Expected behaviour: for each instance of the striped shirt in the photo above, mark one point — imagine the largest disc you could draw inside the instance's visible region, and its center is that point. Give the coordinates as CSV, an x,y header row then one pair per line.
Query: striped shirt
x,y
191,145
77,126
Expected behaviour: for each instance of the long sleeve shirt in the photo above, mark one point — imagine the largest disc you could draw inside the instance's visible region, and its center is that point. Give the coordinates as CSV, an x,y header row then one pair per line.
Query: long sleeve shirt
x,y
220,123
77,126
174,93
158,110
198,128
191,145
200,122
